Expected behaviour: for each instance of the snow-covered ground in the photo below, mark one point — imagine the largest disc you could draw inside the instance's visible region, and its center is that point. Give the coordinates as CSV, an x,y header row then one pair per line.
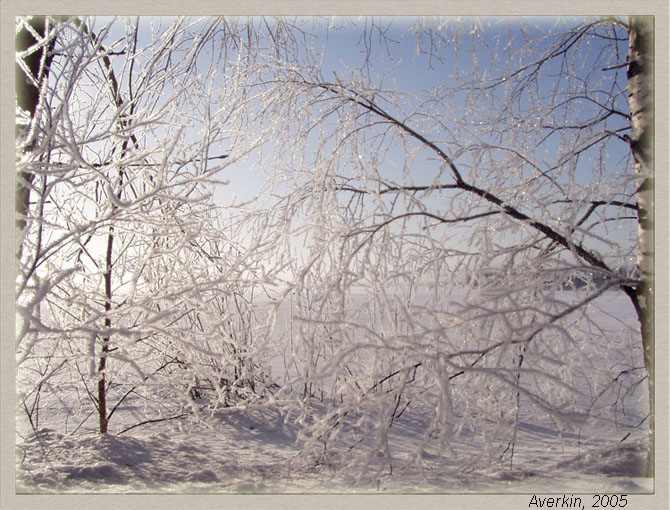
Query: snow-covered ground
x,y
254,452
257,450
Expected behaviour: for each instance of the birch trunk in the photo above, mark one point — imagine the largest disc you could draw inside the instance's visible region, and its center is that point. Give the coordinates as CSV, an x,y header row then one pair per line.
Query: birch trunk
x,y
641,101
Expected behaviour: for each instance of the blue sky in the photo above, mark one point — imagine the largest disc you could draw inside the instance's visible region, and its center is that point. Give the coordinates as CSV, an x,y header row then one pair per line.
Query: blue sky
x,y
343,51
416,74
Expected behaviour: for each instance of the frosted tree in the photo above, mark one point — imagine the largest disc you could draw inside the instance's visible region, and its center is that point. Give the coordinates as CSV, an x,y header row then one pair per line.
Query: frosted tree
x,y
458,239
436,257
132,284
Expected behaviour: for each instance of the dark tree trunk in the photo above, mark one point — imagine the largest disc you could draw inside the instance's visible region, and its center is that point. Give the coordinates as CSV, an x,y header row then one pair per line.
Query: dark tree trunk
x,y
27,98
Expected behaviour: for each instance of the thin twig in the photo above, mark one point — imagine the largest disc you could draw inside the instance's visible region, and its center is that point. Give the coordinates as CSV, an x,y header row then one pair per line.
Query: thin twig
x,y
156,420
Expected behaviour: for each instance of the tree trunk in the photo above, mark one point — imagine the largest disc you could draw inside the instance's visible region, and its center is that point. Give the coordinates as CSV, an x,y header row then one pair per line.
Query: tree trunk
x,y
641,101
103,419
28,98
